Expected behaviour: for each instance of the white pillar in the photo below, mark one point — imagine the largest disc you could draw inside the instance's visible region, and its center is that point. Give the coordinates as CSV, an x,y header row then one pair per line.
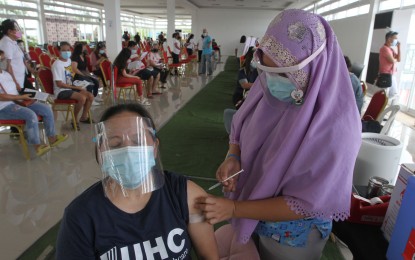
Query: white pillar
x,y
101,27
113,27
374,6
194,23
42,23
171,20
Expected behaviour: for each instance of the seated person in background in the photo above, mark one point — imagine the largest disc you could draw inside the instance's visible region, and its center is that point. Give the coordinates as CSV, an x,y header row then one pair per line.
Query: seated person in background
x,y
357,87
246,78
63,87
97,56
154,60
216,47
80,69
240,51
124,78
134,212
10,110
137,66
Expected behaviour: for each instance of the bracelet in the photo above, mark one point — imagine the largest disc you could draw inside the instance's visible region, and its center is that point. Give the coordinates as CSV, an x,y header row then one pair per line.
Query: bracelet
x,y
233,155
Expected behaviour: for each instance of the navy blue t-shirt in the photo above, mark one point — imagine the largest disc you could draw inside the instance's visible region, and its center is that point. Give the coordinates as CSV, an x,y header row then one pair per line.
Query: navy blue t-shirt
x,y
94,228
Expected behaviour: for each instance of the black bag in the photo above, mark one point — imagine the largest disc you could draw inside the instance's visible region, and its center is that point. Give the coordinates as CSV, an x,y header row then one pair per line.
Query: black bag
x,y
384,80
371,126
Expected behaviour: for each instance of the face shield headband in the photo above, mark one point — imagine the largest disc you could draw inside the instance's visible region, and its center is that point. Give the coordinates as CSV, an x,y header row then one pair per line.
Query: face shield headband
x,y
127,152
299,66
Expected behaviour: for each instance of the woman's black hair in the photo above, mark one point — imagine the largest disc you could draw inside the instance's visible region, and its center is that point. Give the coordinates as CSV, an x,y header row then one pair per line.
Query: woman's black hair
x,y
248,58
243,39
190,37
121,60
131,44
6,25
77,51
133,108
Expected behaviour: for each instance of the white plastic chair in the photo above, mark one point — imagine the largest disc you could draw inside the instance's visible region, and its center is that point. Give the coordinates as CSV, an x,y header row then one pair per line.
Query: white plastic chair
x,y
390,112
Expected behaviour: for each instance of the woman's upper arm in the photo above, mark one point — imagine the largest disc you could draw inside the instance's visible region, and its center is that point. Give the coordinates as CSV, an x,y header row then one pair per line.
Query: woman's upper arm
x,y
201,232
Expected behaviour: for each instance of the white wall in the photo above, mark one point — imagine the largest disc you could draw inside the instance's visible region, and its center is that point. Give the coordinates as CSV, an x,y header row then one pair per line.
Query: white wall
x,y
352,34
227,26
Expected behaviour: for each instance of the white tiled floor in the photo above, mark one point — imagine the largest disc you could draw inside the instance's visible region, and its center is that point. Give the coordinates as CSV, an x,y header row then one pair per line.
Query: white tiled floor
x,y
33,194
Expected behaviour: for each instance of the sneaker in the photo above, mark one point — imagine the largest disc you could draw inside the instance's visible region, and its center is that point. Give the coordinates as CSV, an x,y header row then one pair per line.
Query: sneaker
x,y
98,99
59,139
94,103
41,150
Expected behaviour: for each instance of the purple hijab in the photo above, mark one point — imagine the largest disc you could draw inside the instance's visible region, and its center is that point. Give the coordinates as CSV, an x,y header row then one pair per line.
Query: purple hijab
x,y
305,153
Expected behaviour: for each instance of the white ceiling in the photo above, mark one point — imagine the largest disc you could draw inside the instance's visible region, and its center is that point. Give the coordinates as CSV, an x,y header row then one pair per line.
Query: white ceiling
x,y
157,8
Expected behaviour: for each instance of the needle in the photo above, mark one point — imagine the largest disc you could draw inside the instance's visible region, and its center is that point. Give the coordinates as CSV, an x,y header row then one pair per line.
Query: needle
x,y
230,177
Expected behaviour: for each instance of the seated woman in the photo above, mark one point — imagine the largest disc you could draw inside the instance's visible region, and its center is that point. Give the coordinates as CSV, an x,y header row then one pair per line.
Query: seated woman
x,y
80,69
137,65
10,110
124,78
137,210
246,78
97,56
156,62
216,48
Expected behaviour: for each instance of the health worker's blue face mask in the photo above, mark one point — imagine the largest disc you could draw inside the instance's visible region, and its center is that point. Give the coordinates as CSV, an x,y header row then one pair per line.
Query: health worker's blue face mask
x,y
129,166
282,88
66,54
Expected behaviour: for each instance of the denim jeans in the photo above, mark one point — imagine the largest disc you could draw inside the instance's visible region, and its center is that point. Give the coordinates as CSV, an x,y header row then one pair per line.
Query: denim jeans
x,y
202,67
29,114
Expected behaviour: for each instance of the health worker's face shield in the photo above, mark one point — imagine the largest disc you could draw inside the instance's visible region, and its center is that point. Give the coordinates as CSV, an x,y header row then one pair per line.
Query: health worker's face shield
x,y
127,151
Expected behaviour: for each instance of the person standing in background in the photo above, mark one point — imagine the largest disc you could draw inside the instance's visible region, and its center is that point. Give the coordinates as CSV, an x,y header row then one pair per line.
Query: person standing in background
x,y
199,46
389,56
206,54
10,32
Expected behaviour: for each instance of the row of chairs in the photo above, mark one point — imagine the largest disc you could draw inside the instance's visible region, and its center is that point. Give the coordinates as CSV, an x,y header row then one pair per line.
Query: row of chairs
x,y
376,110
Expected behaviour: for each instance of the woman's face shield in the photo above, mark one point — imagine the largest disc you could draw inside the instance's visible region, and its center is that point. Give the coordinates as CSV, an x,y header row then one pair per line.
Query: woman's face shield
x,y
127,151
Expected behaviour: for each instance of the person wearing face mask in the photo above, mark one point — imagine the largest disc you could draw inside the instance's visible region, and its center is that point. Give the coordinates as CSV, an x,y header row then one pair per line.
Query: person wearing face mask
x,y
97,56
137,210
81,73
246,78
12,111
138,65
176,50
63,87
296,137
10,32
155,61
206,54
389,56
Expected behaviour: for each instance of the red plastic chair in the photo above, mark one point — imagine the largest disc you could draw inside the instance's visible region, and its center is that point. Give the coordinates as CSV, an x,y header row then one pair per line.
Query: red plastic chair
x,y
31,48
376,106
33,56
45,79
50,50
105,66
88,63
38,51
170,66
45,60
56,51
19,125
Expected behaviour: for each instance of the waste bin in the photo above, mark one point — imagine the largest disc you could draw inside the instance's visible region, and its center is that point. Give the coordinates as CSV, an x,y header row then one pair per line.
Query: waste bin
x,y
379,155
